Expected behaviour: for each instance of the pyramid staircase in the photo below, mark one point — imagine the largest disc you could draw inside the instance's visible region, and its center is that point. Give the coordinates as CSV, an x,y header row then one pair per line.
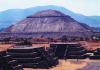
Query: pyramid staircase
x,y
33,57
7,63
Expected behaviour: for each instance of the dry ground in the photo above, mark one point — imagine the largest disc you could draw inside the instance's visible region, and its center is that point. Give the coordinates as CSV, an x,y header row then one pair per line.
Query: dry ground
x,y
74,65
90,45
4,47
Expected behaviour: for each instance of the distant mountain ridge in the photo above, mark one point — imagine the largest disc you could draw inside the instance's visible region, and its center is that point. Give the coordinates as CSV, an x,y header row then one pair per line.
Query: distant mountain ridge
x,y
12,16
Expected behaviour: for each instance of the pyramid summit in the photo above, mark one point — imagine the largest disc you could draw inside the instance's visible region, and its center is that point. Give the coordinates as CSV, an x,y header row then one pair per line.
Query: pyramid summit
x,y
48,12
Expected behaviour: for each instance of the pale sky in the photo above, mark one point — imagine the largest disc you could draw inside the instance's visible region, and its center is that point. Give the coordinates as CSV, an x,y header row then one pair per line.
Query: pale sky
x,y
85,7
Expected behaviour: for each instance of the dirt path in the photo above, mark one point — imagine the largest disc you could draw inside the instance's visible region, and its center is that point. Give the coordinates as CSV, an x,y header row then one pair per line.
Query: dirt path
x,y
65,65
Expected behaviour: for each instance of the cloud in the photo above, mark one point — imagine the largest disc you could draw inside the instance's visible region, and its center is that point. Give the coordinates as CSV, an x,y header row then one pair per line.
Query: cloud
x,y
86,7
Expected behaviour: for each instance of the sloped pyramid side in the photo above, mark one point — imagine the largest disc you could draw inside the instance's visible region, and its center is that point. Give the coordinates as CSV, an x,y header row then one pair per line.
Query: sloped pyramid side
x,y
49,21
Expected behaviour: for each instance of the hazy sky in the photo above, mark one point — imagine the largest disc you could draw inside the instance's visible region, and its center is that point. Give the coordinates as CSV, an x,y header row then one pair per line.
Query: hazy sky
x,y
86,7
